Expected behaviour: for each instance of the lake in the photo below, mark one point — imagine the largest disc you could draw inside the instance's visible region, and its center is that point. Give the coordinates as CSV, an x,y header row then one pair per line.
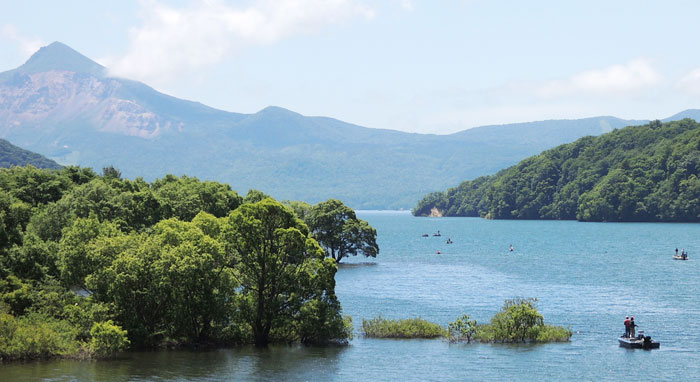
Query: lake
x,y
587,276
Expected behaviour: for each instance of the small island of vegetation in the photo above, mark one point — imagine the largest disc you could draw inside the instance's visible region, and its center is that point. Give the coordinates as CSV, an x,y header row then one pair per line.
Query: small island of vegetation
x,y
380,327
518,321
639,173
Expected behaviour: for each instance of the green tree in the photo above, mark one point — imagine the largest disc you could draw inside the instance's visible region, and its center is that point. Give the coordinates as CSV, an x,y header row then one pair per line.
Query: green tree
x,y
282,272
110,172
462,329
517,321
82,249
340,232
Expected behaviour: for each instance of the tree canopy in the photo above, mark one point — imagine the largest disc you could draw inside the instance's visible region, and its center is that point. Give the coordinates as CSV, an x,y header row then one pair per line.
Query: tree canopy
x,y
174,261
639,173
340,232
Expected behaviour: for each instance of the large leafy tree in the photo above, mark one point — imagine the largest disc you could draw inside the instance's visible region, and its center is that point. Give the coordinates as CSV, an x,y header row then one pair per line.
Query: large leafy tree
x,y
286,282
340,232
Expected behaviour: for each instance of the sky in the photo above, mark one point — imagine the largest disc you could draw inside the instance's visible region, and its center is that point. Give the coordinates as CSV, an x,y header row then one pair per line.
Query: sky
x,y
422,66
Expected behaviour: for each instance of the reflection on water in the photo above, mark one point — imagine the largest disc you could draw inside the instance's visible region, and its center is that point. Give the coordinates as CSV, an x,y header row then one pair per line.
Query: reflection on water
x,y
248,363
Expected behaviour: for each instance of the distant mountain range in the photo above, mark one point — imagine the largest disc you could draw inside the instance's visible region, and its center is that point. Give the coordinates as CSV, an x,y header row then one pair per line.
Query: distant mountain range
x,y
11,155
63,105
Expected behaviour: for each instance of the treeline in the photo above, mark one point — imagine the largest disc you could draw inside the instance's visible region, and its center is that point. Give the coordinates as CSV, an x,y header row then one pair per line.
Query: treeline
x,y
641,173
91,264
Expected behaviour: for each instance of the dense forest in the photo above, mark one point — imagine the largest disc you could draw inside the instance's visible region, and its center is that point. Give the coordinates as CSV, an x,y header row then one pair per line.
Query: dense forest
x,y
11,155
638,173
92,264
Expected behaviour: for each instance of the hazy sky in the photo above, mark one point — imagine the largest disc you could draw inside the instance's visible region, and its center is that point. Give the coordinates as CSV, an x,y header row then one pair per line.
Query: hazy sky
x,y
413,65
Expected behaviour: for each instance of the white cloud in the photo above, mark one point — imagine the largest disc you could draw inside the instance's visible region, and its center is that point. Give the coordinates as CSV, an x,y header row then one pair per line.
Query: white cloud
x,y
633,76
172,41
28,45
407,5
690,82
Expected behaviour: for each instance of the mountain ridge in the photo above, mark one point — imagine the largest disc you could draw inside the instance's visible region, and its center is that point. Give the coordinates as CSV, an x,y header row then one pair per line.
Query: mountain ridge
x,y
82,116
11,155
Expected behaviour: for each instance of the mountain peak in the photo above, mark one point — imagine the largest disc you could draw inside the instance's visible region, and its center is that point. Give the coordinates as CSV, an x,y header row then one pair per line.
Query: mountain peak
x,y
59,56
277,111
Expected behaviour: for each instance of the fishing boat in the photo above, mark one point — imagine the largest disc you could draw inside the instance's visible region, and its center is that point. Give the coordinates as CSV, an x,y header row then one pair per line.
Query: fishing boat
x,y
679,257
639,342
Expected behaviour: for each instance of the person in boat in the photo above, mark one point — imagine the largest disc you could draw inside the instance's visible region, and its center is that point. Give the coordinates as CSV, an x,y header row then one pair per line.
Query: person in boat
x,y
632,326
511,248
676,251
684,254
449,241
627,326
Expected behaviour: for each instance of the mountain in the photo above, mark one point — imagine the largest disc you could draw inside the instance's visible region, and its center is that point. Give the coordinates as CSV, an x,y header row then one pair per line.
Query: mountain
x,y
639,173
11,155
64,105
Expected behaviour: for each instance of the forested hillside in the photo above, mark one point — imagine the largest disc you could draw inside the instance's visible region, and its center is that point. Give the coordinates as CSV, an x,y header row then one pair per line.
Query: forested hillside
x,y
11,155
639,173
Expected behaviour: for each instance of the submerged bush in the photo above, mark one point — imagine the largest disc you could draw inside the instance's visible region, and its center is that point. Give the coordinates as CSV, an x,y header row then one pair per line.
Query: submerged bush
x,y
380,327
107,339
520,321
462,329
551,333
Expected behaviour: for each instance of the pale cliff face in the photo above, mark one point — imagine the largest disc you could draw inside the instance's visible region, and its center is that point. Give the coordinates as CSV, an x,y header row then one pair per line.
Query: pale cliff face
x,y
29,99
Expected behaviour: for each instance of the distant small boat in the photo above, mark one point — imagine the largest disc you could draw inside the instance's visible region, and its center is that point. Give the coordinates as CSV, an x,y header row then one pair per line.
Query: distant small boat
x,y
437,233
679,257
425,235
438,252
449,241
639,342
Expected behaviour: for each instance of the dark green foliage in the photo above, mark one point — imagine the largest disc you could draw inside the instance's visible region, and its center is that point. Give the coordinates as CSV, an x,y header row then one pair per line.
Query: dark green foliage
x,y
177,261
287,284
380,327
110,172
339,231
11,155
641,173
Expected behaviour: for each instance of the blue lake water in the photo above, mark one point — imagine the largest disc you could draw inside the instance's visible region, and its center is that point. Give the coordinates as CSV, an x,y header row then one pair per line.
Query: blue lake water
x,y
587,276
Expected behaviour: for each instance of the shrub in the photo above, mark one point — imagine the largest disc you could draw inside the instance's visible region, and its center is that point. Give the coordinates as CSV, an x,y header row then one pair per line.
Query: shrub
x,y
462,329
107,339
35,336
550,333
379,327
519,321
